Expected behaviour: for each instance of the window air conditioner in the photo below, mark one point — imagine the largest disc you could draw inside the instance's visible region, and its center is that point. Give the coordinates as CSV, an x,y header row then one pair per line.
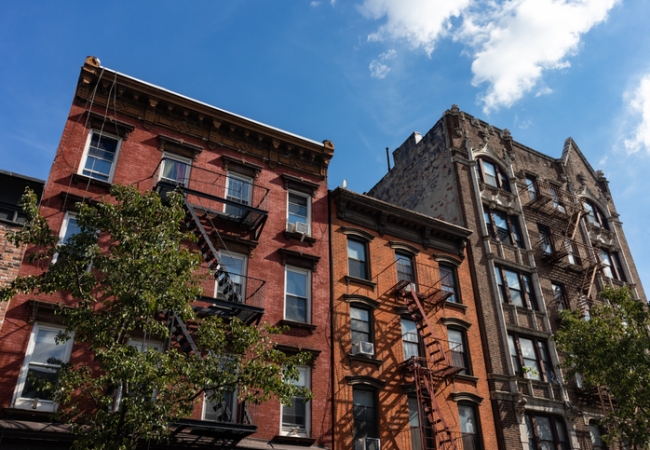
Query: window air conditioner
x,y
363,348
302,228
367,444
291,227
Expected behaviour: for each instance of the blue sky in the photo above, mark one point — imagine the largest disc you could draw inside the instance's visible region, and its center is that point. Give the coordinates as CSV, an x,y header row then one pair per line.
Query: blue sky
x,y
362,73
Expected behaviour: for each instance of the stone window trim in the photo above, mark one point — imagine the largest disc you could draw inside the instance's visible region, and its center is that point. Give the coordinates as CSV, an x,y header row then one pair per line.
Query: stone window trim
x,y
512,234
236,244
241,166
542,357
529,299
454,322
358,233
447,259
179,147
501,179
403,246
364,380
361,300
45,312
109,124
466,397
298,259
299,184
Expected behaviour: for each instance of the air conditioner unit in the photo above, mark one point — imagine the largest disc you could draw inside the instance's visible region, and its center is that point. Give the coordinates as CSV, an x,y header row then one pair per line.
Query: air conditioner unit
x,y
302,228
363,348
291,227
367,444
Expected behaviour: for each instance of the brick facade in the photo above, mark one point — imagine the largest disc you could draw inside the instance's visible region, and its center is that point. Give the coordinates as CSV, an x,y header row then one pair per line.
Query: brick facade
x,y
151,123
529,214
386,231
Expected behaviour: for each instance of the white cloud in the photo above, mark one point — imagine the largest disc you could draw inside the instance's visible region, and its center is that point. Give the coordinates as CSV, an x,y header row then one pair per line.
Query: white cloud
x,y
418,22
639,107
314,3
516,41
512,42
377,67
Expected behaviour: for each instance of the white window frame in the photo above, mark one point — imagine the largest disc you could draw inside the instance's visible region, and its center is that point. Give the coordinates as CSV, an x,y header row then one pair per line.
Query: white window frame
x,y
308,218
64,228
307,291
176,158
33,403
296,431
244,259
84,158
239,177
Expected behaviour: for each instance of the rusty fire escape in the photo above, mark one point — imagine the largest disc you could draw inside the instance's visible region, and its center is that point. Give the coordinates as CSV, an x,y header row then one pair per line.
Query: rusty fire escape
x,y
430,371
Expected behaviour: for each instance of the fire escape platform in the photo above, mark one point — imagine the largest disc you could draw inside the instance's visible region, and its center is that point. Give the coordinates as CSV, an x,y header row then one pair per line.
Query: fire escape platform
x,y
209,306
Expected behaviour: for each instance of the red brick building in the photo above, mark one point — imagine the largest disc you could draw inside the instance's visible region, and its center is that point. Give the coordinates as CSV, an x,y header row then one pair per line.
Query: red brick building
x,y
12,187
409,369
547,236
257,200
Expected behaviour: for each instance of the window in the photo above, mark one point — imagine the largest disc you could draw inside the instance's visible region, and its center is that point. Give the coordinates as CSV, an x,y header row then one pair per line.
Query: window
x,y
503,227
410,339
235,265
405,269
557,204
458,350
469,426
100,156
545,240
530,358
364,411
299,212
594,434
515,288
221,405
595,216
360,325
546,432
297,294
175,169
296,416
448,281
69,228
559,295
357,263
531,186
612,265
238,190
414,425
42,362
492,174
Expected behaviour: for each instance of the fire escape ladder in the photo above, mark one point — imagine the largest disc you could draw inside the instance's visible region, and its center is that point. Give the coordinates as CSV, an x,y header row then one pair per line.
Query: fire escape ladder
x,y
425,392
574,221
426,378
180,332
210,255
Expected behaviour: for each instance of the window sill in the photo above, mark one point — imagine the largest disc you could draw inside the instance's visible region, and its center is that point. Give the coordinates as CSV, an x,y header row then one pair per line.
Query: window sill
x,y
78,179
458,306
294,440
363,281
299,237
300,325
365,359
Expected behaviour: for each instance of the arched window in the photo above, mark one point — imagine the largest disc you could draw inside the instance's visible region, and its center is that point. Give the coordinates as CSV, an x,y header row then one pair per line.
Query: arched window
x,y
492,174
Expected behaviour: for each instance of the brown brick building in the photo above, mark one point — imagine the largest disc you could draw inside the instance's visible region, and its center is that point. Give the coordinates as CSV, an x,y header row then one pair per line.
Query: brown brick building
x,y
546,236
256,197
12,187
409,369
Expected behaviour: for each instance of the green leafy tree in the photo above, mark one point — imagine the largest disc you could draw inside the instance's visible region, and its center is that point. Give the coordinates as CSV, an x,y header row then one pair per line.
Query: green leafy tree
x,y
124,274
612,349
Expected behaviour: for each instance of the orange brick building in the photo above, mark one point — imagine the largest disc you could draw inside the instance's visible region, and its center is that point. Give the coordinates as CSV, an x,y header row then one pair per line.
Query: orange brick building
x,y
409,370
256,197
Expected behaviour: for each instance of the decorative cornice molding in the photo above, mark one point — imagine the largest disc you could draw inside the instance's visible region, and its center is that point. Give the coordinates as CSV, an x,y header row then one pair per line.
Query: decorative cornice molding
x,y
298,259
365,380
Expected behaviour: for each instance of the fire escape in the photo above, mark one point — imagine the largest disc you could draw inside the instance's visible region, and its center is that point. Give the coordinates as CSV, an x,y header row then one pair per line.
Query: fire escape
x,y
216,204
559,213
428,372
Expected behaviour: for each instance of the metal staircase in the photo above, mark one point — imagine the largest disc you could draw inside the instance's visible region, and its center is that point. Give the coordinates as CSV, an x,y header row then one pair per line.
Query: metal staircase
x,y
428,372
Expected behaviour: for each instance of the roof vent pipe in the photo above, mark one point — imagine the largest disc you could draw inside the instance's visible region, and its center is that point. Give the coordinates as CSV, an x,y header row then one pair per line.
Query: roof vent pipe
x,y
388,158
